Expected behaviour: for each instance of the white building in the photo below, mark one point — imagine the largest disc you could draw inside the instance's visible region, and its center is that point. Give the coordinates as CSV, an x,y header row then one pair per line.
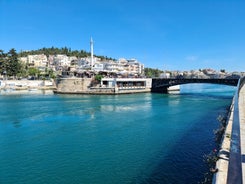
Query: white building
x,y
62,60
39,60
59,62
134,66
114,67
98,67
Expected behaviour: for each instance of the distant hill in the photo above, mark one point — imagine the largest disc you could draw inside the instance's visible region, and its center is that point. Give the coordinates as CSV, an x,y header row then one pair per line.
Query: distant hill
x,y
63,50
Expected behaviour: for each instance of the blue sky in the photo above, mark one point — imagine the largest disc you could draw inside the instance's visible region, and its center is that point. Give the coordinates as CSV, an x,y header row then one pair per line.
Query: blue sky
x,y
163,34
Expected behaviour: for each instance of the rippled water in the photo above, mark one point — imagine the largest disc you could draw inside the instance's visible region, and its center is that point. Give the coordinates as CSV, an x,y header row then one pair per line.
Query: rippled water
x,y
137,138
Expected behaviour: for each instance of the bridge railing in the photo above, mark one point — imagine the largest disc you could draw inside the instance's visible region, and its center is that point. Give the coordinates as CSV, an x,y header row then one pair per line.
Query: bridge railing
x,y
235,160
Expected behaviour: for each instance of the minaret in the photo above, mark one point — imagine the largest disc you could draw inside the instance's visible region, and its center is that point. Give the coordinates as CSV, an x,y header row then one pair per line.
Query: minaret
x,y
92,52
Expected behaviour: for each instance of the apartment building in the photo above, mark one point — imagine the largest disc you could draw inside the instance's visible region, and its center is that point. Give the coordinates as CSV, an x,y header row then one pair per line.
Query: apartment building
x,y
59,62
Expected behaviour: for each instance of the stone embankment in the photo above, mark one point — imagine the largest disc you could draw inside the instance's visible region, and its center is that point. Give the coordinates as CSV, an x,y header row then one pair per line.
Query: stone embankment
x,y
85,86
220,176
73,85
27,84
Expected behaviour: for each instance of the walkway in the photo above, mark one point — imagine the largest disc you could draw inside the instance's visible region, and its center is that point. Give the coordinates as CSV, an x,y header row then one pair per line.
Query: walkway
x,y
222,164
242,127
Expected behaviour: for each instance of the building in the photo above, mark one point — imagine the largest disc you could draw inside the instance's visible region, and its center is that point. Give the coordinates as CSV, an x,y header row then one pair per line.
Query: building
x,y
39,60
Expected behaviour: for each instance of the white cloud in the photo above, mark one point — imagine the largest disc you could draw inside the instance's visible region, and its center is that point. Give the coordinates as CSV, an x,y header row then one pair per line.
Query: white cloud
x,y
191,58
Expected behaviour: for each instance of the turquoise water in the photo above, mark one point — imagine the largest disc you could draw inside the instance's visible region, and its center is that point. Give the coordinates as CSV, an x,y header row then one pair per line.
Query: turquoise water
x,y
136,138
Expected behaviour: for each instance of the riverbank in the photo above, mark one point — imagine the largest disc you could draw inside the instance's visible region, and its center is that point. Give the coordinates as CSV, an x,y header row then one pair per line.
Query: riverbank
x,y
74,85
220,177
19,85
233,142
108,86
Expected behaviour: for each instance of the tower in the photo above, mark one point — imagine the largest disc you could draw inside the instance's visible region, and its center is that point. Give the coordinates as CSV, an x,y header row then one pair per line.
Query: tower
x,y
92,52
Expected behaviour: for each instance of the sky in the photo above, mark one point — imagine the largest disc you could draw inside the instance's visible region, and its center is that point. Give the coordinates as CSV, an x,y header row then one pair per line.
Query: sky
x,y
163,34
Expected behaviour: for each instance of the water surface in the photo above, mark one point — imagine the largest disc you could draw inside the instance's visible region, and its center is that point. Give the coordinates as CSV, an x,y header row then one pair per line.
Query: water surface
x,y
137,138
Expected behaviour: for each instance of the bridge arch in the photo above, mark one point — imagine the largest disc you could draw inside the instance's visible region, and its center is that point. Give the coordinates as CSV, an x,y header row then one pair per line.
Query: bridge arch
x,y
160,85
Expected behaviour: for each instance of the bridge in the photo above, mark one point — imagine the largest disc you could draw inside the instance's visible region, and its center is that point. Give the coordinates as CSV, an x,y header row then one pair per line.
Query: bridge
x,y
160,85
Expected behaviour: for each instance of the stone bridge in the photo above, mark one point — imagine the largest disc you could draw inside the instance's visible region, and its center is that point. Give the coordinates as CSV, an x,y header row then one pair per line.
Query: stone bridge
x,y
160,85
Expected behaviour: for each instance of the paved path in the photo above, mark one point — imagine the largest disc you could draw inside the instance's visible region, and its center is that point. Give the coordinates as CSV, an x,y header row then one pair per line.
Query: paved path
x,y
222,164
242,126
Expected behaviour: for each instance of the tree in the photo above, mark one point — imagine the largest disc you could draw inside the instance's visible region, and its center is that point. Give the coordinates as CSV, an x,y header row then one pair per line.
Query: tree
x,y
12,63
51,74
98,77
23,72
150,72
64,51
222,70
34,72
2,61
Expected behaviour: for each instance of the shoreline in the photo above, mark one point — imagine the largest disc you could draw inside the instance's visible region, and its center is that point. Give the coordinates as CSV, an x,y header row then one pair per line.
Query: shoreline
x,y
108,86
29,85
99,92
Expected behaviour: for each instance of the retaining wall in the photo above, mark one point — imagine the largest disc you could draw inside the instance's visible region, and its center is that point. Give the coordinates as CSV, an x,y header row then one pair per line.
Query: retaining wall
x,y
83,86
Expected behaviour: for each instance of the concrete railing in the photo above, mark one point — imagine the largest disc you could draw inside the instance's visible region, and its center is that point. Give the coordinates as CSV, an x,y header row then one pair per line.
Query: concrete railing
x,y
235,159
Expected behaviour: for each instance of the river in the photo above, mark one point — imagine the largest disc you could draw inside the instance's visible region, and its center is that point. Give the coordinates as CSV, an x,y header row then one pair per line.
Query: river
x,y
136,138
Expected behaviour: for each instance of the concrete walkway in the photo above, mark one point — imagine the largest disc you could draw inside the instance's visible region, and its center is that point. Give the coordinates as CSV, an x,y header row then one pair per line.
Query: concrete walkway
x,y
222,164
242,126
